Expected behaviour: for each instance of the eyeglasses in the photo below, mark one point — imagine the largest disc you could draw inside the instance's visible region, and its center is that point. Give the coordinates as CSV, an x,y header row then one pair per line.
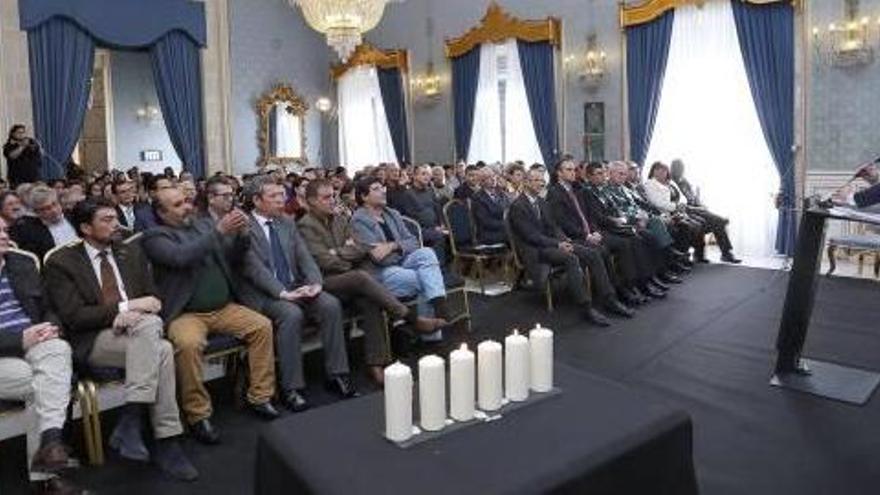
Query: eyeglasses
x,y
377,187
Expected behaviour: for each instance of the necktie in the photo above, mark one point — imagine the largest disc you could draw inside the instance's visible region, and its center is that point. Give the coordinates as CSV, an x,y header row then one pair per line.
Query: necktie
x,y
109,288
537,208
279,261
577,207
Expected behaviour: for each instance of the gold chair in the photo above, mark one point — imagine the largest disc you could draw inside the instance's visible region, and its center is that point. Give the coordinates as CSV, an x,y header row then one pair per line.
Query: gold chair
x,y
458,219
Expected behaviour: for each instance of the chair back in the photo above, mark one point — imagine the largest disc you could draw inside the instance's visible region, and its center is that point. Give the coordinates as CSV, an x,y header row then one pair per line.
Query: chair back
x,y
511,238
457,217
52,251
414,228
33,257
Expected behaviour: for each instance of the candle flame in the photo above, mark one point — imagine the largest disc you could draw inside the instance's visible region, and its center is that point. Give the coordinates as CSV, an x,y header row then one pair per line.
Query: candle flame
x,y
515,331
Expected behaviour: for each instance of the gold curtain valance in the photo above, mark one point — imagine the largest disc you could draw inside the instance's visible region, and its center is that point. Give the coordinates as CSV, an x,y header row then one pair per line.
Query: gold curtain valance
x,y
367,54
647,11
497,25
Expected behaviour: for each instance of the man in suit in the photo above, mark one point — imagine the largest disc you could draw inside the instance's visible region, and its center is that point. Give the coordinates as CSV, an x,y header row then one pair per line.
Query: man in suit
x,y
346,267
488,205
284,283
471,183
48,229
145,213
193,263
103,291
220,196
124,191
541,243
35,366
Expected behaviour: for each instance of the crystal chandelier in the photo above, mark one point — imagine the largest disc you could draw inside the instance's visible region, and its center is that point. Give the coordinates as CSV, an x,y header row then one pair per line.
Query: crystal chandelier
x,y
343,22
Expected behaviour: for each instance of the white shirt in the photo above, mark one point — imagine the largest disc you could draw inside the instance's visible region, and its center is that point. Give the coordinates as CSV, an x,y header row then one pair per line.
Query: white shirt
x,y
128,211
660,196
95,257
62,232
263,221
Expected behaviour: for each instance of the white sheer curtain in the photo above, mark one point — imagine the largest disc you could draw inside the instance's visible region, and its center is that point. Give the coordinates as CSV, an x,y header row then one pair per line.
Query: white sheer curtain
x,y
707,118
364,137
503,129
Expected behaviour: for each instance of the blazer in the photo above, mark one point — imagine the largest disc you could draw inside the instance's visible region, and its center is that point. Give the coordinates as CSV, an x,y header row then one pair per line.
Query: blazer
x,y
601,208
564,212
368,232
177,253
463,192
867,197
531,231
75,291
25,282
489,217
327,243
123,222
32,235
144,217
260,283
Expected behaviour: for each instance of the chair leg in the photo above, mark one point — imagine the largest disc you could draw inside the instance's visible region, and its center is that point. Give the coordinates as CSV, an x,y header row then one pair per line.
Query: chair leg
x,y
85,408
877,264
549,290
861,263
832,261
98,440
481,275
467,309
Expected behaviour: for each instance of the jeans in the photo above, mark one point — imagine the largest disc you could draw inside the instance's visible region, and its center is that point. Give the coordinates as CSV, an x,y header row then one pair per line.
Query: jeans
x,y
417,275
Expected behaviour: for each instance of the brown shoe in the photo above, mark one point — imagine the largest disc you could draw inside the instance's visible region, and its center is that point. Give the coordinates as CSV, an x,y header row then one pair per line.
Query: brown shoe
x,y
429,325
57,486
51,458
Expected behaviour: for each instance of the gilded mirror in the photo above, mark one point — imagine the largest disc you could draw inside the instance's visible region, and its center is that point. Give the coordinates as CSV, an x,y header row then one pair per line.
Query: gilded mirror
x,y
282,134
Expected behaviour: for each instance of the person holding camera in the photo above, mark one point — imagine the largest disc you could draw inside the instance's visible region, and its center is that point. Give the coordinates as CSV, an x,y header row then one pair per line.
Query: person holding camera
x,y
22,155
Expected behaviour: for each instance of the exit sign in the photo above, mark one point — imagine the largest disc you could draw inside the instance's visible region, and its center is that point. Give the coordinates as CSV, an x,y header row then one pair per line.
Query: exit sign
x,y
151,156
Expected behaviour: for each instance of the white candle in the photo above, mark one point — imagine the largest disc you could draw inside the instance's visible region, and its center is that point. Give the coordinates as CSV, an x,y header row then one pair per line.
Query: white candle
x,y
461,384
398,402
432,392
491,372
541,352
516,367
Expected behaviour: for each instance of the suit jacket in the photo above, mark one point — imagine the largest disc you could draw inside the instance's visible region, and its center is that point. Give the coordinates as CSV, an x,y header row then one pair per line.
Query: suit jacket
x,y
531,231
32,235
867,197
601,209
489,217
564,212
368,232
327,243
177,254
123,222
75,291
260,283
144,217
464,191
26,285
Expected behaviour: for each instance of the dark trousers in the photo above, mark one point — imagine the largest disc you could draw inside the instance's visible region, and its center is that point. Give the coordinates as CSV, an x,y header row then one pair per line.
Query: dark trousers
x,y
536,260
715,224
627,256
370,297
596,263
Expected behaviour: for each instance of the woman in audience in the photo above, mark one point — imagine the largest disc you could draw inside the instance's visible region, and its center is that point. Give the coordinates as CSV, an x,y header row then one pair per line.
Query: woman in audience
x,y
296,204
11,207
515,174
660,195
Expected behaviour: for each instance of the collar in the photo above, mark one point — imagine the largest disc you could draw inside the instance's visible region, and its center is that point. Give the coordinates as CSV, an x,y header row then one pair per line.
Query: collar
x,y
92,252
261,219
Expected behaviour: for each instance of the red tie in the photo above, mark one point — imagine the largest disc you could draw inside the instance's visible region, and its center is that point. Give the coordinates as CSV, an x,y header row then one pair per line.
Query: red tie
x,y
577,206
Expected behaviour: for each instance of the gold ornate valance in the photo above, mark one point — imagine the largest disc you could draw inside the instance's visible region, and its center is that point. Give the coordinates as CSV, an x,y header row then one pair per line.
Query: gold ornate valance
x,y
497,25
648,10
367,54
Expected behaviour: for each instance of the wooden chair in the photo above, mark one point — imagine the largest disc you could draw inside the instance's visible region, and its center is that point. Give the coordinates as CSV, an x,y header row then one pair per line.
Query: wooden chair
x,y
863,242
458,219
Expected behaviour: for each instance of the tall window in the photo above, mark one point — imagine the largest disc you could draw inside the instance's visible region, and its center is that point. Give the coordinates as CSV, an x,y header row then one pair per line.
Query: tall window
x,y
364,137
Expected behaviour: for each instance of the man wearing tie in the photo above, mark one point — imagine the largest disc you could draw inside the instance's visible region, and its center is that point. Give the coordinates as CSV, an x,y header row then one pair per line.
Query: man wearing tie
x,y
124,191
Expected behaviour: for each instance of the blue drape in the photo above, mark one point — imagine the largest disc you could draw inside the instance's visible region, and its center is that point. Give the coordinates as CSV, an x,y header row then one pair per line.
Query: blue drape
x,y
394,99
536,60
176,68
61,58
465,76
647,50
766,39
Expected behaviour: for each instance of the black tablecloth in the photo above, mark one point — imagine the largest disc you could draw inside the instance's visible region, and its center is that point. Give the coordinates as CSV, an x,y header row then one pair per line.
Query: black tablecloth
x,y
596,437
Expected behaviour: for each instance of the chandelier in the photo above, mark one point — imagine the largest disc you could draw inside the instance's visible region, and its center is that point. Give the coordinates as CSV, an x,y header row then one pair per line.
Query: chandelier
x,y
850,42
343,22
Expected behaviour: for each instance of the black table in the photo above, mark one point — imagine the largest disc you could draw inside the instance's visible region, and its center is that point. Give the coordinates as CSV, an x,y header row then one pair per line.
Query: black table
x,y
597,437
820,378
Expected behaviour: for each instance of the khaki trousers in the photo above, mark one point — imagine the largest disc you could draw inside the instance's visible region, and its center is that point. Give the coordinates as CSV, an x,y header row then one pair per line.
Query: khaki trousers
x,y
189,332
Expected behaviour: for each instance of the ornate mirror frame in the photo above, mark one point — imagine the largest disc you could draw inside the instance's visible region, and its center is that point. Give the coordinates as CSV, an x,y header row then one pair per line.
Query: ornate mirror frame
x,y
280,93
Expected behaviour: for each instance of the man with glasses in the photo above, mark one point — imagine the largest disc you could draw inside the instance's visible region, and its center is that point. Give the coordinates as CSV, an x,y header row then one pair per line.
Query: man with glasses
x,y
220,197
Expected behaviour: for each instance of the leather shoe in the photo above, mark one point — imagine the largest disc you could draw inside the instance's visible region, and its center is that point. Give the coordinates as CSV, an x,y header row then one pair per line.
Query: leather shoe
x,y
265,410
127,438
342,386
50,458
295,402
668,278
55,486
654,292
615,307
728,257
204,432
171,459
630,298
596,318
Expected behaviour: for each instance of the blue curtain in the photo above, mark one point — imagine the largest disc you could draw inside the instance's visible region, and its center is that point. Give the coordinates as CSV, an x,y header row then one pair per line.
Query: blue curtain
x,y
465,76
61,58
538,72
176,68
647,50
766,39
394,99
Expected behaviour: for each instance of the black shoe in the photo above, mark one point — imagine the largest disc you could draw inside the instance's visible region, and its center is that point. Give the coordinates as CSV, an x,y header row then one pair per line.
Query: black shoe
x,y
658,283
171,459
596,318
668,278
204,432
127,439
295,402
654,292
728,257
342,386
642,298
678,254
615,307
265,410
630,298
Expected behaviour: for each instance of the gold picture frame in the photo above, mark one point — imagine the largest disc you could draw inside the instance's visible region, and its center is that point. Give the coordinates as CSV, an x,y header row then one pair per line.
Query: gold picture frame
x,y
281,96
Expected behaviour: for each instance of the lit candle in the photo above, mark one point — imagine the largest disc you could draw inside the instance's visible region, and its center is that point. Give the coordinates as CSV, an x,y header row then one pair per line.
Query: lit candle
x,y
490,375
516,367
432,393
398,402
541,352
461,384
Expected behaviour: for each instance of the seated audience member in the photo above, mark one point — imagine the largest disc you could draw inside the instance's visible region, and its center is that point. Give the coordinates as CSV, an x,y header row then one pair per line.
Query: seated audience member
x,y
145,213
69,198
346,267
35,366
488,205
869,196
396,187
442,191
11,208
422,206
220,199
285,284
715,224
660,194
450,177
472,177
103,292
346,204
189,190
404,267
541,244
592,247
96,189
296,205
515,175
193,262
125,193
48,229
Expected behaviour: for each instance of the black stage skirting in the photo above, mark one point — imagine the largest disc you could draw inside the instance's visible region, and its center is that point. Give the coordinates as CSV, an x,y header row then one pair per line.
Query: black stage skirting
x,y
597,437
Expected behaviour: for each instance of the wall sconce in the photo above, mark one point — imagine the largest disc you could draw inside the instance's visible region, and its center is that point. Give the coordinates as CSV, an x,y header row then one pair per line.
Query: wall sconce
x,y
428,85
323,104
148,114
849,43
594,63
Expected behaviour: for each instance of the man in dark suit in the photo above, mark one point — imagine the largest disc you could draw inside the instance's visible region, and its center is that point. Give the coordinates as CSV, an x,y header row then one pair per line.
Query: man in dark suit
x,y
48,229
193,263
488,205
541,243
471,183
104,294
124,191
144,213
284,283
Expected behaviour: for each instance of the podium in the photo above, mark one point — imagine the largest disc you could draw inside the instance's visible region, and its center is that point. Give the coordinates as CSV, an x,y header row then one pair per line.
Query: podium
x,y
792,371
